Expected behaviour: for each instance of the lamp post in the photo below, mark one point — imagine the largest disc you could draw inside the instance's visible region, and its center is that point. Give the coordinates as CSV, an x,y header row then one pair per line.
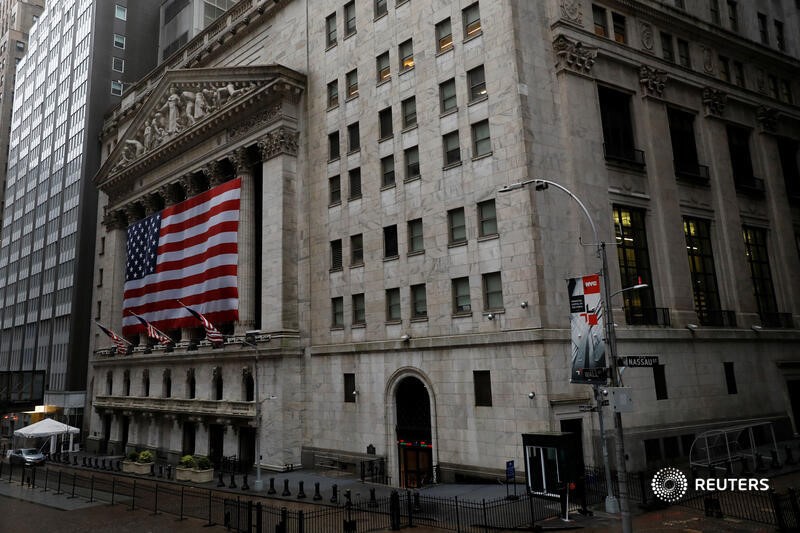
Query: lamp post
x,y
622,470
259,483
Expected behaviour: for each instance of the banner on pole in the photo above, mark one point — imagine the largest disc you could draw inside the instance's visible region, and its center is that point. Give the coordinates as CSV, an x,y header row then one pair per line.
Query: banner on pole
x,y
588,335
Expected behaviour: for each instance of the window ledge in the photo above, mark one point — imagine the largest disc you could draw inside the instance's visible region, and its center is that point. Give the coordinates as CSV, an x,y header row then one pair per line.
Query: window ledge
x,y
417,252
351,98
354,198
360,325
483,156
473,37
331,46
335,204
337,328
357,265
499,311
338,269
386,138
384,82
332,107
491,237
351,152
379,17
393,322
452,165
400,3
462,314
388,186
457,244
478,100
406,70
409,128
443,52
334,159
448,112
391,258
419,319
349,35
412,178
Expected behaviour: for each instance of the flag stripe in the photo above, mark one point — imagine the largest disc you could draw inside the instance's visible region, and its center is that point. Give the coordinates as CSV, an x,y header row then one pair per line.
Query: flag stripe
x,y
188,251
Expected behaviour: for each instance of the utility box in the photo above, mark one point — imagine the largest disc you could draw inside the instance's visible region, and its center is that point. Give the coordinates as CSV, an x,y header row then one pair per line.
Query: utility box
x,y
620,399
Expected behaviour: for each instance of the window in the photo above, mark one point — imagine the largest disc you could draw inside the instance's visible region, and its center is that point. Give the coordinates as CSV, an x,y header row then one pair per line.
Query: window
x,y
762,28
393,305
330,30
730,377
333,146
20,46
337,312
684,147
380,8
481,141
109,383
333,94
492,292
116,88
600,21
419,301
126,383
444,36
385,123
780,39
660,380
786,92
667,48
487,219
738,73
618,21
701,266
725,68
634,265
99,279
684,58
447,95
790,164
118,64
615,114
349,19
483,388
336,254
99,311
387,171
354,176
166,384
120,12
741,162
382,65
461,301
390,242
409,108
119,41
452,150
755,244
349,388
353,138
415,239
406,55
457,228
733,15
412,163
772,82
359,313
477,83
472,21
145,383
356,250
351,79
335,190
714,11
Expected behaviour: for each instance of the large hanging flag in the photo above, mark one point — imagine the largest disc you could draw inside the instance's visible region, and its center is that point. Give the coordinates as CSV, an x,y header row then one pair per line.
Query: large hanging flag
x,y
155,333
588,337
189,252
212,334
119,343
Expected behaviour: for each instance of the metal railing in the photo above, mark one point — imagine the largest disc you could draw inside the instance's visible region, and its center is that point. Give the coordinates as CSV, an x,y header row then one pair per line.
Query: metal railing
x,y
624,155
717,318
647,316
694,173
751,187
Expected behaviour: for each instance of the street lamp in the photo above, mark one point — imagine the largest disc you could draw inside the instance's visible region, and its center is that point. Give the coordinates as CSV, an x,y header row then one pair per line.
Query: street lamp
x,y
622,469
250,340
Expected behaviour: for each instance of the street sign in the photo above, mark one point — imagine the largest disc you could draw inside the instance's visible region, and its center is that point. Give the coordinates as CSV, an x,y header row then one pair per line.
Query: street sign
x,y
594,373
641,361
586,408
510,471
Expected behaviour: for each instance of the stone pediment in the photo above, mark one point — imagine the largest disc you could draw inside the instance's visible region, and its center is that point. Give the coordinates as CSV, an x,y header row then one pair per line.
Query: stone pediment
x,y
189,105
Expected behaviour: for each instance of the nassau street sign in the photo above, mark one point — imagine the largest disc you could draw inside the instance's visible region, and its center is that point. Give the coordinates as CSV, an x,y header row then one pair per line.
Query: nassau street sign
x,y
638,361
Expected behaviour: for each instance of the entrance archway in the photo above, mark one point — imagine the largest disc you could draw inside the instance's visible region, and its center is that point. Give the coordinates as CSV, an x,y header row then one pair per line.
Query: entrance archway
x,y
414,435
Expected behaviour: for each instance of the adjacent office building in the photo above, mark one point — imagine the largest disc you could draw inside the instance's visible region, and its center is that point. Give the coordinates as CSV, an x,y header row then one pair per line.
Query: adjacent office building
x,y
80,54
416,316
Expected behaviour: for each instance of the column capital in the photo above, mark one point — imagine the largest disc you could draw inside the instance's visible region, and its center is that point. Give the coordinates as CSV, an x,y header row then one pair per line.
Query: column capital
x,y
241,161
214,172
280,141
189,185
114,220
152,203
170,193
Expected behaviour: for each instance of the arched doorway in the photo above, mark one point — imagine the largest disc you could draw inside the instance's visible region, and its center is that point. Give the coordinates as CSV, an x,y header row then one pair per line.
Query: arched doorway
x,y
414,438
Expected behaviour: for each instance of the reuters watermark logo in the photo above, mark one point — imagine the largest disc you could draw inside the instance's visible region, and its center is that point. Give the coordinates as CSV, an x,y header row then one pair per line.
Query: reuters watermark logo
x,y
669,484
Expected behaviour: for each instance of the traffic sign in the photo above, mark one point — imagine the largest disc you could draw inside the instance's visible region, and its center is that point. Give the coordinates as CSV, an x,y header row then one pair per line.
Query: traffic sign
x,y
510,470
641,361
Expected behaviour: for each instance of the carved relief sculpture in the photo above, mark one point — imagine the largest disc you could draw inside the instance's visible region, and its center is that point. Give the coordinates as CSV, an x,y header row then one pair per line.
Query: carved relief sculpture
x,y
574,55
714,101
708,60
652,81
646,33
767,118
571,11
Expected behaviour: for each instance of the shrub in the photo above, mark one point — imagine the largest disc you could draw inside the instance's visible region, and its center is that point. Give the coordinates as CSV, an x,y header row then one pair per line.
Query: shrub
x,y
145,457
203,462
133,456
187,461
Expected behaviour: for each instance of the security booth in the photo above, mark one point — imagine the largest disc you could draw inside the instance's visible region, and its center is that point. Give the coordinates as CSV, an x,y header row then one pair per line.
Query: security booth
x,y
553,460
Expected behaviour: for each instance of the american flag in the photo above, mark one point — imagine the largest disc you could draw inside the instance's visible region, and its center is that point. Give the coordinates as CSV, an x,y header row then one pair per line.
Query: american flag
x,y
189,252
119,343
212,334
155,333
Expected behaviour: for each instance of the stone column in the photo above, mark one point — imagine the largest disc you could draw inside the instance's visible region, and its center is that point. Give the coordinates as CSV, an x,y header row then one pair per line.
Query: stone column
x,y
116,223
246,242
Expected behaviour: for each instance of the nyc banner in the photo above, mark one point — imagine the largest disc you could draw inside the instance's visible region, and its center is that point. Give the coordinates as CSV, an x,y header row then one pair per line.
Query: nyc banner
x,y
588,335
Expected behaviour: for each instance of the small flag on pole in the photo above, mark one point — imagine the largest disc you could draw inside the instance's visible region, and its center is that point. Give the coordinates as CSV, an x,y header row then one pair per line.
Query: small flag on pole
x,y
153,332
212,334
120,344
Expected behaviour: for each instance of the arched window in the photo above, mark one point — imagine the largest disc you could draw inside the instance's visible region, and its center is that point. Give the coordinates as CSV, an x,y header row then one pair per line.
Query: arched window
x,y
217,383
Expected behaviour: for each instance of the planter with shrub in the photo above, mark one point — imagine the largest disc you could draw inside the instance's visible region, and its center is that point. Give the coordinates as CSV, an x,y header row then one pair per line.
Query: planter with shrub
x,y
196,469
138,463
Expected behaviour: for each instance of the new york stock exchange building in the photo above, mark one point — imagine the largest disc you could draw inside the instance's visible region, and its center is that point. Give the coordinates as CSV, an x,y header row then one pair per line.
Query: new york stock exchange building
x,y
322,184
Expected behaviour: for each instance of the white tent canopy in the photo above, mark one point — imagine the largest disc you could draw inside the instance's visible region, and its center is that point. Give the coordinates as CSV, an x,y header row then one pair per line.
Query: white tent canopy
x,y
48,428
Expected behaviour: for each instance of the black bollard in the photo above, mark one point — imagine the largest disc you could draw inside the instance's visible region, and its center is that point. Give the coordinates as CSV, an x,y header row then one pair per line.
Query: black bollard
x,y
775,463
220,483
96,462
152,470
245,486
74,460
84,460
789,456
373,502
317,495
417,506
169,471
335,493
286,491
119,466
271,489
301,494
160,470
347,496
233,482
